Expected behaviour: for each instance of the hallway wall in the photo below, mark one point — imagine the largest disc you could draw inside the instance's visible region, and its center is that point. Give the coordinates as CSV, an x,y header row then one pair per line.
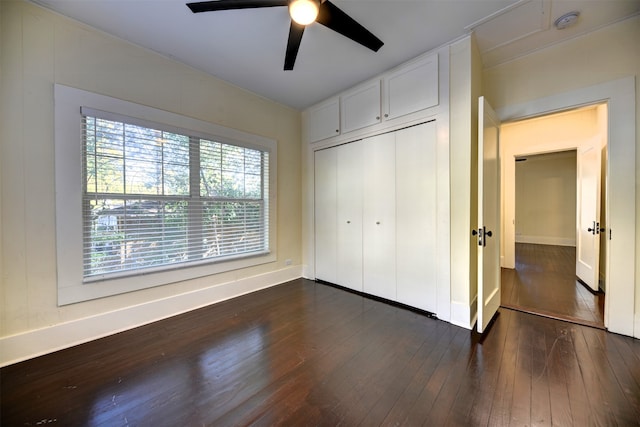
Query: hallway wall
x,y
546,199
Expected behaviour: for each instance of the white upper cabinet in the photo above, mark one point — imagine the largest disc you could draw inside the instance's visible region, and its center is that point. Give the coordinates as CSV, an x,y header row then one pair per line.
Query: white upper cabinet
x,y
360,106
323,120
411,88
387,101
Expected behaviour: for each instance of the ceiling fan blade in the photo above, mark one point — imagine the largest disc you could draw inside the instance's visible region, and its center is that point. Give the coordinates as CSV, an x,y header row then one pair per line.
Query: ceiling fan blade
x,y
331,17
295,37
212,6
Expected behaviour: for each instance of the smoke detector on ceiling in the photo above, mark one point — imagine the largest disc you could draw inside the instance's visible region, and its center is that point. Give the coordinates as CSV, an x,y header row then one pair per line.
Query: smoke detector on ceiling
x,y
567,20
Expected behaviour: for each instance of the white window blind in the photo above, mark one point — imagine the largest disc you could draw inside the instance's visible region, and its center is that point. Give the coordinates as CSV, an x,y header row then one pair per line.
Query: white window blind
x,y
156,198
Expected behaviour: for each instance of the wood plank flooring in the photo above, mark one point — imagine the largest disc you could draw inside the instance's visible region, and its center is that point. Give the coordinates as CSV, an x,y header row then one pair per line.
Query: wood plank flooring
x,y
544,282
305,353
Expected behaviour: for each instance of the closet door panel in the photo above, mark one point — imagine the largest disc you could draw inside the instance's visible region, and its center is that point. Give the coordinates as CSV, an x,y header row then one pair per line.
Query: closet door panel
x,y
379,222
416,216
325,215
349,220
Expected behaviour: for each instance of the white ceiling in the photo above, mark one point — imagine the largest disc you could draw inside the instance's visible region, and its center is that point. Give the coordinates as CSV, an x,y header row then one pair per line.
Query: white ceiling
x,y
247,47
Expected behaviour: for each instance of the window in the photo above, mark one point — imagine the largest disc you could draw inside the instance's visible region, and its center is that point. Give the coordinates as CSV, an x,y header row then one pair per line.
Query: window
x,y
156,199
151,201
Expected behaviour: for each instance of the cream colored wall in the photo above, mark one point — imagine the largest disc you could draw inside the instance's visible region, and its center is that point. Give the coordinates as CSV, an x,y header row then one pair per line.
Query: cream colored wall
x,y
39,48
465,88
546,199
605,55
2,299
476,92
460,160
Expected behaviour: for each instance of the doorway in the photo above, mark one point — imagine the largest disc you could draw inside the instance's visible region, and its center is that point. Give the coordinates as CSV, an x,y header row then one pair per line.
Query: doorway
x,y
542,208
619,96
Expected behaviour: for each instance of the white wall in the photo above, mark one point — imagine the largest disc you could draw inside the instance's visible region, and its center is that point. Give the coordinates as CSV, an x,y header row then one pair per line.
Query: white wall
x,y
465,88
39,48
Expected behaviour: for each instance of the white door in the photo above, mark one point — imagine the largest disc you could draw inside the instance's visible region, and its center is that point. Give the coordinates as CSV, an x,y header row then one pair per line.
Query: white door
x,y
379,211
349,193
488,238
325,215
588,214
416,216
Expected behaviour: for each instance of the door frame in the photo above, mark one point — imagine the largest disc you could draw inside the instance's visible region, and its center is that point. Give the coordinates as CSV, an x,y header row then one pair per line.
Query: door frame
x,y
621,187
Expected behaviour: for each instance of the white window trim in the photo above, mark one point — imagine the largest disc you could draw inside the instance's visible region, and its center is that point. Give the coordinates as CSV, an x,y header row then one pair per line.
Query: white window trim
x,y
68,185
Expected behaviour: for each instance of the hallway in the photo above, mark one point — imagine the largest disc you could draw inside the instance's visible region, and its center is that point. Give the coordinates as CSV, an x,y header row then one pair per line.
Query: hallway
x,y
544,282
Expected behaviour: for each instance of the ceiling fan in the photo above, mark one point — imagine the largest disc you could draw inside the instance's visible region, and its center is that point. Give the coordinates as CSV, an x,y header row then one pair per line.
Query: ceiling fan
x,y
303,13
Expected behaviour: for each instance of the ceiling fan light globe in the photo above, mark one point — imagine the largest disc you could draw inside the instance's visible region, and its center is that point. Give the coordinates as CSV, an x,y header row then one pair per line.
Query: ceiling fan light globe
x,y
304,12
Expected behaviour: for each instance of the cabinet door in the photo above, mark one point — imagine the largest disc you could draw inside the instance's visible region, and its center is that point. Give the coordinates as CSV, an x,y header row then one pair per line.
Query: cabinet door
x,y
411,88
379,222
325,215
360,107
416,216
323,120
349,263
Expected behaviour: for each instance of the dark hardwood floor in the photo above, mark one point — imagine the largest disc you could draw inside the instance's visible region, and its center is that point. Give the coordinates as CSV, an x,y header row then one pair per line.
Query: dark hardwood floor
x,y
305,353
544,282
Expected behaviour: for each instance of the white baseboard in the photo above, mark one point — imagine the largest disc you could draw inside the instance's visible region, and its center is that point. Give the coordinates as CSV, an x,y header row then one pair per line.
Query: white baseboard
x,y
307,272
461,314
546,240
473,309
30,344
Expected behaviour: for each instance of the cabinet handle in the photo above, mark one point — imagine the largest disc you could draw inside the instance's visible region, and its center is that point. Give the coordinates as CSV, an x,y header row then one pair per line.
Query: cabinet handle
x,y
337,130
386,115
377,117
348,222
377,222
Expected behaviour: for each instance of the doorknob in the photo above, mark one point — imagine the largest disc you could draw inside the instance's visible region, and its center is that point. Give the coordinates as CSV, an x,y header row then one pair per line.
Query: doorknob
x,y
593,229
482,232
478,233
486,234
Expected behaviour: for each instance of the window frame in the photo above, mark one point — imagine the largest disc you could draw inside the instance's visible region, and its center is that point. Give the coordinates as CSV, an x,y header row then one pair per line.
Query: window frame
x,y
68,147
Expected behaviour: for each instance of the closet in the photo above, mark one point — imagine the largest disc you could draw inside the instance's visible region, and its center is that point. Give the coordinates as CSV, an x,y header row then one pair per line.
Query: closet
x,y
375,215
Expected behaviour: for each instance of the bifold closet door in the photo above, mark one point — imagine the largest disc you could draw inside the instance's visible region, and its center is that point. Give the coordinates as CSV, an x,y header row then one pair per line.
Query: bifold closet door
x,y
326,246
349,218
379,222
416,216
